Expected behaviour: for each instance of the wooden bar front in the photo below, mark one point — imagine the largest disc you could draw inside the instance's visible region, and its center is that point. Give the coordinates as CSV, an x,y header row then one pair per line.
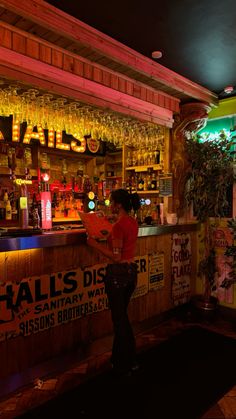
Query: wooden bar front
x,y
23,352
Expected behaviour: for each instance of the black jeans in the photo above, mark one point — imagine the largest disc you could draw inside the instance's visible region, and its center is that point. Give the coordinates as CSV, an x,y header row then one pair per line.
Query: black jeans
x,y
120,283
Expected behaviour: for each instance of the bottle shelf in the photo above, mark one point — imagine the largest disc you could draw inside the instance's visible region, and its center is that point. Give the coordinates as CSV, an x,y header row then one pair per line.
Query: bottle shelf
x,y
114,163
4,170
148,192
113,177
145,168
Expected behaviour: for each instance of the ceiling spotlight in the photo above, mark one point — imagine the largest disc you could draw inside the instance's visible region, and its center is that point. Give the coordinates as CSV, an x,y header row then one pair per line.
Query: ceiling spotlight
x,y
228,89
156,54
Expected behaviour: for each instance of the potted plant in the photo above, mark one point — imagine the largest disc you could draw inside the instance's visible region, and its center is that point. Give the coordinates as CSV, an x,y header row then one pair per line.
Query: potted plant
x,y
207,186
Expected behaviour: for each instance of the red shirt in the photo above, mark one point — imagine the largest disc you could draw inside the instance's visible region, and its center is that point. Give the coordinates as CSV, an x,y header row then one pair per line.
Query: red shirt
x,y
124,232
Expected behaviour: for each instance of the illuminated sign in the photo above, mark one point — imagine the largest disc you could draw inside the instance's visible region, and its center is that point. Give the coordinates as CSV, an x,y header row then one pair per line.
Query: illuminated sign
x,y
46,210
20,182
54,138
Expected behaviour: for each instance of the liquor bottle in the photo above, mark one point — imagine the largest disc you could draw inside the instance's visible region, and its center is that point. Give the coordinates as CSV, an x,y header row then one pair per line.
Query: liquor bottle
x,y
140,184
129,159
149,183
8,215
157,156
153,182
5,198
2,210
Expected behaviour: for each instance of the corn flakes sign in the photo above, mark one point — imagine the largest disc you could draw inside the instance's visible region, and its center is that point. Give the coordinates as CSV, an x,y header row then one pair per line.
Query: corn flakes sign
x,y
39,303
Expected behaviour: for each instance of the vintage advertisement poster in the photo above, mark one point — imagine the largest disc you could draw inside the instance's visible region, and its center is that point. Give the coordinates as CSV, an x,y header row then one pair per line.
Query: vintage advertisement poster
x,y
156,271
181,267
41,302
222,239
142,285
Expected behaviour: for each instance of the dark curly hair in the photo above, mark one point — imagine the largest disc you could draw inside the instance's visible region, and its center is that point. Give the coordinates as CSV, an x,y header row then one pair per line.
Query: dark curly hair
x,y
126,199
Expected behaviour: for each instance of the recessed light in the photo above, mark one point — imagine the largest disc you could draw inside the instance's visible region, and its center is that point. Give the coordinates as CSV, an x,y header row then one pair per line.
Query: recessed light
x,y
156,54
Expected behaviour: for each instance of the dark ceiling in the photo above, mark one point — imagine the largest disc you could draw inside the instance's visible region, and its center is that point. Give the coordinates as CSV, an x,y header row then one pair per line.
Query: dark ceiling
x,y
196,37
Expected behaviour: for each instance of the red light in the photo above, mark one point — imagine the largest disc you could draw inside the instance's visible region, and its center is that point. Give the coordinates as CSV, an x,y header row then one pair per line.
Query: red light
x,y
45,177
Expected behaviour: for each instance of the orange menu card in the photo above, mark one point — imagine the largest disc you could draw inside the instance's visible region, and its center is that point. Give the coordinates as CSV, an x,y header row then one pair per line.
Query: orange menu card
x,y
96,224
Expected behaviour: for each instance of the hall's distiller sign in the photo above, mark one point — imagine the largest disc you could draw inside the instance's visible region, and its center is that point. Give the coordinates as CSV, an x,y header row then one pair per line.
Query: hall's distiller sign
x,y
39,303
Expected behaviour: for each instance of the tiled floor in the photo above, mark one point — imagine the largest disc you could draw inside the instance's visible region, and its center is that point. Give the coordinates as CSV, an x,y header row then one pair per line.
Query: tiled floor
x,y
45,387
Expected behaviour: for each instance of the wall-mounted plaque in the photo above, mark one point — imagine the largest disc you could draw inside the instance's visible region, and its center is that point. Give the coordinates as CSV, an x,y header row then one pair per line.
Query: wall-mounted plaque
x,y
166,185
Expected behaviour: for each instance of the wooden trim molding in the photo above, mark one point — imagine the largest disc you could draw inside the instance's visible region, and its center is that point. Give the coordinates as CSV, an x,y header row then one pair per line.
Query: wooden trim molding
x,y
53,19
44,76
32,46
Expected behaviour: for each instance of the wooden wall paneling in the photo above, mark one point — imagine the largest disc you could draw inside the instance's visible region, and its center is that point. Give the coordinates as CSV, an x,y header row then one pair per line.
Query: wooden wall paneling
x,y
137,91
24,264
45,54
5,37
19,43
12,266
130,88
32,48
59,341
150,96
100,325
49,259
77,255
106,78
57,58
167,102
63,258
78,67
173,105
156,98
114,82
3,256
143,93
161,101
4,356
122,85
12,360
88,71
68,63
85,328
40,347
37,262
97,75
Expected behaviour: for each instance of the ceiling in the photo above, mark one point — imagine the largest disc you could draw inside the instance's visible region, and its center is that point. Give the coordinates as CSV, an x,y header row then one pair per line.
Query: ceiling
x,y
197,38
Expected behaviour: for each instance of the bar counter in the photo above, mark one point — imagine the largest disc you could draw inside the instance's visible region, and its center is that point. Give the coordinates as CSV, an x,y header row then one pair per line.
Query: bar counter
x,y
52,295
78,236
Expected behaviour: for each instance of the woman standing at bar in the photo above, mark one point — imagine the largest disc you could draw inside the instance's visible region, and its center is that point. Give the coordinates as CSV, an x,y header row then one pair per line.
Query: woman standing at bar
x,y
121,277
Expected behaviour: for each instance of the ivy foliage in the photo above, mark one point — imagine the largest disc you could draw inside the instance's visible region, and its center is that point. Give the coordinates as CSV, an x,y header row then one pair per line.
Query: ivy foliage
x,y
211,174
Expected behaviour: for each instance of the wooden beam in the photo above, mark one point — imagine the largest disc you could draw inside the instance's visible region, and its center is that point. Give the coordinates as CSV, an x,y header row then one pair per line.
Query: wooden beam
x,y
43,76
68,61
55,20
